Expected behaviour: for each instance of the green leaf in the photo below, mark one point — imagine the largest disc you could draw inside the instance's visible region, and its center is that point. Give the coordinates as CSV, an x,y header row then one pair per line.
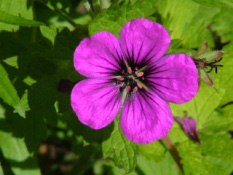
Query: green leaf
x,y
16,153
116,16
1,171
213,156
49,33
218,145
201,106
214,3
34,130
123,150
16,20
225,74
8,93
194,163
24,101
175,44
187,20
220,121
167,166
42,97
21,8
223,27
154,151
29,81
12,61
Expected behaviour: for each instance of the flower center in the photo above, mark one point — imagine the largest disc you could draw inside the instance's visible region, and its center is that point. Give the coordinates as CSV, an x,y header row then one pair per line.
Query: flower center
x,y
131,79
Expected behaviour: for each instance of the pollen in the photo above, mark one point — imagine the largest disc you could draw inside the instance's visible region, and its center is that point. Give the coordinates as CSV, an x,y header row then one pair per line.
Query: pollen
x,y
140,74
139,85
130,78
129,70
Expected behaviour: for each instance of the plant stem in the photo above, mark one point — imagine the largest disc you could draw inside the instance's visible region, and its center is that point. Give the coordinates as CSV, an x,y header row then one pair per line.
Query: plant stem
x,y
60,13
34,29
172,149
91,5
65,16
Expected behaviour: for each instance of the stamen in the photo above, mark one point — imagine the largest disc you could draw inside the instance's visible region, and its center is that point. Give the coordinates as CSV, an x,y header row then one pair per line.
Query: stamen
x,y
123,71
129,70
140,74
136,68
120,78
128,88
135,89
139,85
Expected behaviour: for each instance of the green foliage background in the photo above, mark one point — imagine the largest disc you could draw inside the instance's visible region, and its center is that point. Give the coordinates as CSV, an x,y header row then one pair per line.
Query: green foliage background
x,y
39,133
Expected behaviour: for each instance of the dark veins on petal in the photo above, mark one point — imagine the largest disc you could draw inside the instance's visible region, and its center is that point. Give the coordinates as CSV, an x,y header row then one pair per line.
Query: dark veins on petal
x,y
133,75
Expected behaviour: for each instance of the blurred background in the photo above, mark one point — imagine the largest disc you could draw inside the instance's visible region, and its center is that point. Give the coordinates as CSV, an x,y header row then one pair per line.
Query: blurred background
x,y
39,132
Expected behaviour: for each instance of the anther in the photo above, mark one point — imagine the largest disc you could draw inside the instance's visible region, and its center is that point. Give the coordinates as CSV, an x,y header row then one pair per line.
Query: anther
x,y
139,85
120,78
128,88
135,89
140,74
136,68
129,70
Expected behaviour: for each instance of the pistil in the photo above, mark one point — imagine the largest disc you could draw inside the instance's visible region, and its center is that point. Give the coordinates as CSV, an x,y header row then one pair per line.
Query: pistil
x,y
131,80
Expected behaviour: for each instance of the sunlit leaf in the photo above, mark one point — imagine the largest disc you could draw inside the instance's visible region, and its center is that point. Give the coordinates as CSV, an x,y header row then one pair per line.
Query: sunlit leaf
x,y
49,32
223,27
166,166
15,152
12,61
187,20
225,74
200,108
153,151
116,16
21,8
9,94
215,3
196,162
123,150
16,20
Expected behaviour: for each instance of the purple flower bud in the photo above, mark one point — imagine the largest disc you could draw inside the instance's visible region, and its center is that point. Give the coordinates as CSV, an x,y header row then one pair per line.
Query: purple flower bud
x,y
189,126
64,85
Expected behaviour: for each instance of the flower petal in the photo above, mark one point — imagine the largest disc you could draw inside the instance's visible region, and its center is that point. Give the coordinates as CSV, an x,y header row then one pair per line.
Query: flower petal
x,y
98,55
95,102
145,117
174,78
143,40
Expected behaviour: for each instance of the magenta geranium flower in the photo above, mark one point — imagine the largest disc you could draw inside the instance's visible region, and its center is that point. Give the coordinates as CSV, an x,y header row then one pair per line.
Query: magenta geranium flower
x,y
131,73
